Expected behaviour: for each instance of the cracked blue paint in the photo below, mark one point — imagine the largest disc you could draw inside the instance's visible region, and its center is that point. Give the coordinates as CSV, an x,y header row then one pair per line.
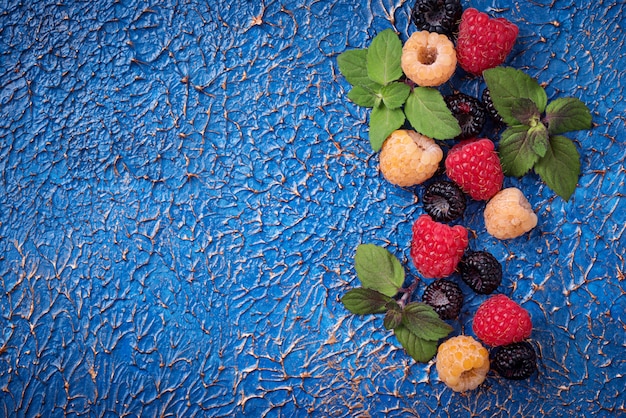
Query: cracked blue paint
x,y
184,185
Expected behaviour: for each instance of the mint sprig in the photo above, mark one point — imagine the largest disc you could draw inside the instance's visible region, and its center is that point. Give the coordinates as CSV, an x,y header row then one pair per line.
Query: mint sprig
x,y
376,76
532,140
416,325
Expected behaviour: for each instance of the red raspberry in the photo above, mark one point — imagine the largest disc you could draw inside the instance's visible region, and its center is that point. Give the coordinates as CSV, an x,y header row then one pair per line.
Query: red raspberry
x,y
474,165
483,42
501,321
437,248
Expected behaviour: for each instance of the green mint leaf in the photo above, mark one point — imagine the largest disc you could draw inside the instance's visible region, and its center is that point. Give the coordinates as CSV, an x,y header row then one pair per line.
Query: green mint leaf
x,y
428,114
422,320
378,269
353,66
364,96
395,94
393,317
421,350
525,111
363,301
383,57
567,114
383,121
516,151
560,167
538,137
507,85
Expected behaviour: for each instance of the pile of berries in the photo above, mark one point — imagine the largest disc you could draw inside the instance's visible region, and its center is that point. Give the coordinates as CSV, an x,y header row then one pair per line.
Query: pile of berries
x,y
482,42
448,36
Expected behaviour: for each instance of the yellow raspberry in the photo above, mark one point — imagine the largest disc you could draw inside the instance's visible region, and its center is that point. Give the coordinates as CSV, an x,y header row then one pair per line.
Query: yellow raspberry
x,y
408,158
462,363
428,58
509,215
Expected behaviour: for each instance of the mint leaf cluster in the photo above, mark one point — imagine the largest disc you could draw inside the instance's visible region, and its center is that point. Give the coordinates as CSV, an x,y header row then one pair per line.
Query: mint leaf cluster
x,y
532,139
416,325
376,76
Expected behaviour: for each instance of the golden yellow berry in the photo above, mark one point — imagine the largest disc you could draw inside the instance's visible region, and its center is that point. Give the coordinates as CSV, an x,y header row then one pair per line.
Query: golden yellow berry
x,y
462,363
428,58
408,158
509,215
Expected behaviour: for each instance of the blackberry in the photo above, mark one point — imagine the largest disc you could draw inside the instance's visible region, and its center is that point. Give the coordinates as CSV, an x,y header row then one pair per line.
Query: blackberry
x,y
489,107
481,271
440,16
445,297
469,111
517,361
444,201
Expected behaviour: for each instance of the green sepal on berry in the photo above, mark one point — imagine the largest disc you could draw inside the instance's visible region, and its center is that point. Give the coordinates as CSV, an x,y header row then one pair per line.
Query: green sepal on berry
x,y
532,139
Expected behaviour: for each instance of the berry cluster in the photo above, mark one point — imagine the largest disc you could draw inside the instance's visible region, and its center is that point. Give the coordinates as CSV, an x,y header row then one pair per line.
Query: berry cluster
x,y
447,36
473,171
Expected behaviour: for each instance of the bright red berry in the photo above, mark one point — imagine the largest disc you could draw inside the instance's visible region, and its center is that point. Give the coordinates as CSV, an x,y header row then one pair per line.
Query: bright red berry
x,y
437,248
474,165
483,42
501,321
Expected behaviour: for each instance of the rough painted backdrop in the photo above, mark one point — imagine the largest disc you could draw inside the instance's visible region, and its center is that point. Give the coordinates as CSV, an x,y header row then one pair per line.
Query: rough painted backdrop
x,y
183,187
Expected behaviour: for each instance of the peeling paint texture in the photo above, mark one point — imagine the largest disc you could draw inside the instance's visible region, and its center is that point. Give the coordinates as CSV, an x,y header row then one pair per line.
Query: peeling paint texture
x,y
183,185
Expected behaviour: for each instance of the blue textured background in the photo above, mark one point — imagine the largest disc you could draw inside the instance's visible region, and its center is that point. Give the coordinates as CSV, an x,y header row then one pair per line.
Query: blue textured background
x,y
183,187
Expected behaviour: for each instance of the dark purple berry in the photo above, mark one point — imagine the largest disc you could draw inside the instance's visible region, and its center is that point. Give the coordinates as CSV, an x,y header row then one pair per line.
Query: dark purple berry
x,y
445,297
515,361
444,201
481,271
490,108
441,16
470,113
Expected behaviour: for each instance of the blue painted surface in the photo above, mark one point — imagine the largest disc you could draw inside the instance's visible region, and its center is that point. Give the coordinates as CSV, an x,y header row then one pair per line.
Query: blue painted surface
x,y
184,185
